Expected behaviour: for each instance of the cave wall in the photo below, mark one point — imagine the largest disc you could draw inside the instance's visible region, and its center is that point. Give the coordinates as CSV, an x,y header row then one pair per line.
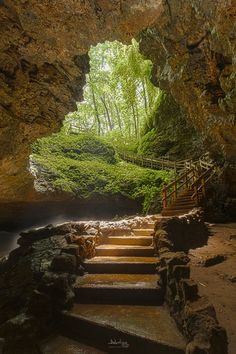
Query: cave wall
x,y
192,46
43,61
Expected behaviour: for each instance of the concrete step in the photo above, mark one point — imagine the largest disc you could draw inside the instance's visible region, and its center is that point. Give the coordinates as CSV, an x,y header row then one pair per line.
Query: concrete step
x,y
130,240
124,265
135,289
123,328
124,250
143,232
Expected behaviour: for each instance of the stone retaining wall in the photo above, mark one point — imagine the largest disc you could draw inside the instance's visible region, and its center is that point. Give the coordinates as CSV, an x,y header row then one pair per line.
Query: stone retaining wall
x,y
194,315
36,281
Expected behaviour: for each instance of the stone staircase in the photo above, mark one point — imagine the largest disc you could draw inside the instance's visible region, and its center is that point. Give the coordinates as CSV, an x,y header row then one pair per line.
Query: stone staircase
x,y
119,295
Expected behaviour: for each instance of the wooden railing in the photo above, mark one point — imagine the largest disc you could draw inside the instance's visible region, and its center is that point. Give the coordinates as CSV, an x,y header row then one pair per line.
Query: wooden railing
x,y
200,185
196,178
171,191
189,175
160,163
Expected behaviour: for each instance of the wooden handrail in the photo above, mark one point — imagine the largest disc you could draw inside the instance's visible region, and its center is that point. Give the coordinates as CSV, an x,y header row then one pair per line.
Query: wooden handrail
x,y
153,162
202,181
184,180
179,178
190,180
195,177
203,175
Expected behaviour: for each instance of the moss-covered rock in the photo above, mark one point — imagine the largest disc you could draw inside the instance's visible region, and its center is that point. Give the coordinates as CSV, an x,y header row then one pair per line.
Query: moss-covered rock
x,y
85,166
167,132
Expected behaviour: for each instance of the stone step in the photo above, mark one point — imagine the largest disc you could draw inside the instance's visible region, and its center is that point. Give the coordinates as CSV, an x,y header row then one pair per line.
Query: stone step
x,y
123,328
127,265
130,240
135,289
143,232
173,212
124,250
150,225
56,344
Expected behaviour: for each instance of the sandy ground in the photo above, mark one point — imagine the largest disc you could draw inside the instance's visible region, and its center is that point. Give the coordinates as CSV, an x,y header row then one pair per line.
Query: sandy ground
x,y
218,282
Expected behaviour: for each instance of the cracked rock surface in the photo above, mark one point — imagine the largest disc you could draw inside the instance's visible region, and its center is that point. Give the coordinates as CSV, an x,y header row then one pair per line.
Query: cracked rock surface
x,y
43,62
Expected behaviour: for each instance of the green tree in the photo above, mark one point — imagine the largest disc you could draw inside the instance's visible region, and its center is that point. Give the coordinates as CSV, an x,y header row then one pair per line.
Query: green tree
x,y
118,95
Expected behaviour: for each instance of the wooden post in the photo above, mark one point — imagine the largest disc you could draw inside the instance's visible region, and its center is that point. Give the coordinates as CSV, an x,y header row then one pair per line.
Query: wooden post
x,y
186,180
203,187
196,193
164,194
175,190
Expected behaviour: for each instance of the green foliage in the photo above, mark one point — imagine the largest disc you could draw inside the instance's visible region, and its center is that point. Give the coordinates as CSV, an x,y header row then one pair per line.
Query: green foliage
x,y
147,143
118,95
85,166
166,132
78,147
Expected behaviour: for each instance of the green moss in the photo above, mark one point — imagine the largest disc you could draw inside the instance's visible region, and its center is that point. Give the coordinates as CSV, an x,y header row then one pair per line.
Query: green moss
x,y
86,167
167,132
77,147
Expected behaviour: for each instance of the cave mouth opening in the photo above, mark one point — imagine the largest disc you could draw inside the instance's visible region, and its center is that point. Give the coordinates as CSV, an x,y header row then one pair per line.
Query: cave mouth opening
x,y
82,160
77,171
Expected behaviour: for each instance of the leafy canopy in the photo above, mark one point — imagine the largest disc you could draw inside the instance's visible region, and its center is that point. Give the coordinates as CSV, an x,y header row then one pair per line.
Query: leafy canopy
x,y
118,95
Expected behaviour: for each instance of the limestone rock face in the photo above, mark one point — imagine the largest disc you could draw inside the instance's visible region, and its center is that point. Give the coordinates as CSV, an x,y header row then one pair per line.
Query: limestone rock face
x,y
43,62
192,46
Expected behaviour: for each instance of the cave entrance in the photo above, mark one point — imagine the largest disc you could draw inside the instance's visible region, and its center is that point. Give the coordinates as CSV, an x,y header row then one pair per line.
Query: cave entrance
x,y
122,112
83,161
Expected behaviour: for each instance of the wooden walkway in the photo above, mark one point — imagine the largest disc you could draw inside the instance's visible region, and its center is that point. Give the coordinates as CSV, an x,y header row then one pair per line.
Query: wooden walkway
x,y
156,164
189,186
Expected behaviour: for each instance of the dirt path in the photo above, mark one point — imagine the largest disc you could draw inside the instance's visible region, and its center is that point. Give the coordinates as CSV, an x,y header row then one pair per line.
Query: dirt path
x,y
218,281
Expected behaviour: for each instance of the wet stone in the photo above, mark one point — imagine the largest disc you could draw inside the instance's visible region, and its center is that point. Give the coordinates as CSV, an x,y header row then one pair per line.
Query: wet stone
x,y
175,258
64,263
189,289
70,249
181,272
213,260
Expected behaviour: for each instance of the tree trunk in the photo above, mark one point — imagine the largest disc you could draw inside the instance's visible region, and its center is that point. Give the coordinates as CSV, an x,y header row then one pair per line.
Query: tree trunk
x,y
135,121
118,116
95,107
145,96
103,99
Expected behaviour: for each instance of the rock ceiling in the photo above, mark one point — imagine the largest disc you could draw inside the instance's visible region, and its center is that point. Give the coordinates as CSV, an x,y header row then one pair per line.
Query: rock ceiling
x,y
43,62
